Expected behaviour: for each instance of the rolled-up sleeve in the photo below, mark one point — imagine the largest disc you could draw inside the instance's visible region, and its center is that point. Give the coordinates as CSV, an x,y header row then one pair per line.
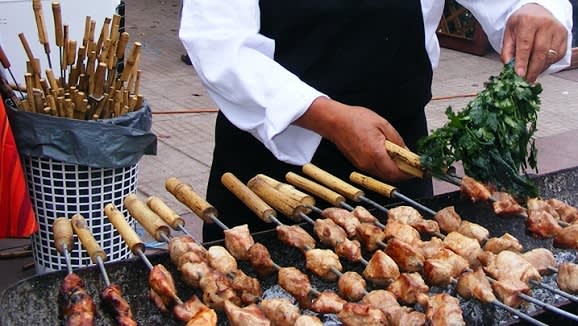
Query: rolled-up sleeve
x,y
235,63
493,15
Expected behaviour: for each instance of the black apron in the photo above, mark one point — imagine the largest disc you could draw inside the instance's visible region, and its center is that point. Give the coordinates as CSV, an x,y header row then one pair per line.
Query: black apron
x,y
369,53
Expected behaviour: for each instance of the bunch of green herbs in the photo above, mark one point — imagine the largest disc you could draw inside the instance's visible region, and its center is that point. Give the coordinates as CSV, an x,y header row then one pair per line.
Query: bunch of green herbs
x,y
492,136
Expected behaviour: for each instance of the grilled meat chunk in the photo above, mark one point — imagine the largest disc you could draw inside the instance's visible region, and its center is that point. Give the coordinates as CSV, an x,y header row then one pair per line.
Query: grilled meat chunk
x,y
507,291
111,296
221,260
216,290
401,231
381,269
351,286
542,223
506,205
306,320
405,256
322,262
328,302
77,306
396,315
542,218
161,283
474,190
295,236
475,285
349,250
474,230
441,268
194,310
567,237
568,277
192,257
238,240
260,259
363,215
410,216
247,288
442,309
567,213
248,316
355,314
505,242
296,283
510,265
329,233
192,273
464,246
408,287
280,311
429,248
343,218
448,219
184,244
370,235
542,259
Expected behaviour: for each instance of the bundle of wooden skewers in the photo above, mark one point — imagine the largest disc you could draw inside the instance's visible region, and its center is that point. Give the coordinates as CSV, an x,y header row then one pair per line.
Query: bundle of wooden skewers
x,y
90,84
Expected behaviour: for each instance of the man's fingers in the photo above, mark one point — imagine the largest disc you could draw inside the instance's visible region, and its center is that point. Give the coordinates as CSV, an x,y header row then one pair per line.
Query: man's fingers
x,y
541,53
524,45
508,46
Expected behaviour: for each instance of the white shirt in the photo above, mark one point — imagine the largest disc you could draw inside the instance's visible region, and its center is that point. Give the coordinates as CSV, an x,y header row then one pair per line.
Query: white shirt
x,y
258,95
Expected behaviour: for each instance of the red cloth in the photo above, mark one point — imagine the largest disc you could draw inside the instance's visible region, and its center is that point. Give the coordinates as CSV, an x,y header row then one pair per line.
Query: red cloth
x,y
17,218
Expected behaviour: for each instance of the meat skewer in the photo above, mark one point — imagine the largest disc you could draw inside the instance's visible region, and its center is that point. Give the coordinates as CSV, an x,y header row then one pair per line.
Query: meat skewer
x,y
320,191
111,294
77,306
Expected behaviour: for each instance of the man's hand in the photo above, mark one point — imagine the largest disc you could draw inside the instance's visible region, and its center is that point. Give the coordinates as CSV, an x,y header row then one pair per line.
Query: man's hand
x,y
359,133
535,38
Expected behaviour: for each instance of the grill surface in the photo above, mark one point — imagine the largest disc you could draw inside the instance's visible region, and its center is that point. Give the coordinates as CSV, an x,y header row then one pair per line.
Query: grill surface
x,y
34,301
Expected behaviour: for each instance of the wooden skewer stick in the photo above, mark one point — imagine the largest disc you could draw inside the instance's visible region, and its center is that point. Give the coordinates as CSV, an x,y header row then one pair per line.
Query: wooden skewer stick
x,y
41,27
58,32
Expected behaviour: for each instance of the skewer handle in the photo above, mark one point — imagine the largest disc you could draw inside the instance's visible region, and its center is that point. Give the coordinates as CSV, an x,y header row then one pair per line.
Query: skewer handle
x,y
4,59
318,190
126,231
248,197
146,217
406,160
58,32
372,184
38,15
168,215
186,195
279,201
333,182
289,190
87,239
63,234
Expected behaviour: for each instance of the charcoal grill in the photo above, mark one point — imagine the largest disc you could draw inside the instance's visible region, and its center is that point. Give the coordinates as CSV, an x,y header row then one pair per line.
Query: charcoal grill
x,y
34,301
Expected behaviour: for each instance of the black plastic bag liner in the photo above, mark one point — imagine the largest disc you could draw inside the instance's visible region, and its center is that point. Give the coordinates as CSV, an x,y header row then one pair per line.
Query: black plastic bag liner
x,y
106,143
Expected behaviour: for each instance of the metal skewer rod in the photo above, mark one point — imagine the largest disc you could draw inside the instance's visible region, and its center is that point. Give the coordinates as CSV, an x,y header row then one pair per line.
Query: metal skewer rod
x,y
92,247
6,64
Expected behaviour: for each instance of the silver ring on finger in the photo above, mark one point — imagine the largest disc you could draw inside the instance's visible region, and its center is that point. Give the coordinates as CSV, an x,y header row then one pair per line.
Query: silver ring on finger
x,y
552,53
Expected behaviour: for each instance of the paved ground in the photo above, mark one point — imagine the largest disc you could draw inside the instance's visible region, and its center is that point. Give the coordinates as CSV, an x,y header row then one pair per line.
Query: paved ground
x,y
185,136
